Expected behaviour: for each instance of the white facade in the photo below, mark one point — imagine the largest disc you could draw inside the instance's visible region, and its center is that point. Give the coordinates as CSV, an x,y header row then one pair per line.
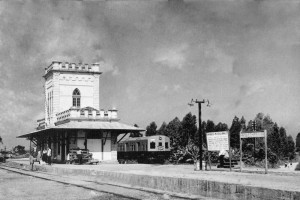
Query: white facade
x,y
73,118
60,82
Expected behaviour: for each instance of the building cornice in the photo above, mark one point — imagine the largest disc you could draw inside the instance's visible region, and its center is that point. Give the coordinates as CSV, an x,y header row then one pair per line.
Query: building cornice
x,y
70,71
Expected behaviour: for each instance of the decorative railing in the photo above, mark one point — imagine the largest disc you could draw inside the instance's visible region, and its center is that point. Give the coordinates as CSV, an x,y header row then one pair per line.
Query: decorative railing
x,y
86,114
40,123
73,66
63,115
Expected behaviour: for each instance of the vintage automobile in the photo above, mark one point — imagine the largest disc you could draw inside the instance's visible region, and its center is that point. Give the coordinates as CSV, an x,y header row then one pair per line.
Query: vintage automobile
x,y
86,157
2,158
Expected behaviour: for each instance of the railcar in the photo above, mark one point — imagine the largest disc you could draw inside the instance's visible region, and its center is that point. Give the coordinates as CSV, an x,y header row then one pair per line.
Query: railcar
x,y
151,149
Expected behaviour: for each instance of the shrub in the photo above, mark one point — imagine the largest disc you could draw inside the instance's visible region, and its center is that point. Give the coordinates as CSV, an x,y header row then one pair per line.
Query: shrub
x,y
298,167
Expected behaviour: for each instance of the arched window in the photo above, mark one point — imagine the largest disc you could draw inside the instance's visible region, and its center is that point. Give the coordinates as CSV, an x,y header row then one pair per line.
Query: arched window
x,y
76,98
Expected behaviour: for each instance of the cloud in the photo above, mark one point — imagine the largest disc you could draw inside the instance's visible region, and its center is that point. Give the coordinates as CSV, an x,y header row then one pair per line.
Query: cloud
x,y
176,87
172,57
108,66
171,89
218,60
202,41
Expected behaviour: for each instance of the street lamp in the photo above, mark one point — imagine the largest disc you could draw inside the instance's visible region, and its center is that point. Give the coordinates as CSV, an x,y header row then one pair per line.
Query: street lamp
x,y
200,129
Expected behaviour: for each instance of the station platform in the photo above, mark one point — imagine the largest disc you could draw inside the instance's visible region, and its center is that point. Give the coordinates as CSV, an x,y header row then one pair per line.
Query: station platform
x,y
251,183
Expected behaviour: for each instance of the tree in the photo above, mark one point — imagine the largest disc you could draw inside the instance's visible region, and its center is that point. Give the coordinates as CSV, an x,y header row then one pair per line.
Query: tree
x,y
298,142
234,131
19,149
188,128
162,129
209,127
290,147
221,127
274,139
173,132
151,129
192,150
283,143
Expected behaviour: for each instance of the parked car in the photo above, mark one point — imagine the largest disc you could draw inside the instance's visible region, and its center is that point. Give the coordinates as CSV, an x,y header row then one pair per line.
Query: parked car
x,y
2,158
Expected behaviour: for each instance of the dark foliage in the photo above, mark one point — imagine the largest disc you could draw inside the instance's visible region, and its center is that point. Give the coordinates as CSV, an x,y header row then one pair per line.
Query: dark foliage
x,y
151,129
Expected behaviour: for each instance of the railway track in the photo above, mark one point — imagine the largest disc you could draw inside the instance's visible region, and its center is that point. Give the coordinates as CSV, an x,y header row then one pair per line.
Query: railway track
x,y
117,190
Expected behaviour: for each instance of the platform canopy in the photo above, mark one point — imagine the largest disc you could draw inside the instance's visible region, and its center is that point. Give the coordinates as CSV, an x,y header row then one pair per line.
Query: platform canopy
x,y
87,125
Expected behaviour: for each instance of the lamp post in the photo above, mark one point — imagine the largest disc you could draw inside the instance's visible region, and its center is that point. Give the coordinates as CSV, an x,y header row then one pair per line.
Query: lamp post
x,y
200,129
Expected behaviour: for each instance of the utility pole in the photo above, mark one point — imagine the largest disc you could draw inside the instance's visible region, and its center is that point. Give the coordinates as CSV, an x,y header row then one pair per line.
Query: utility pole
x,y
200,128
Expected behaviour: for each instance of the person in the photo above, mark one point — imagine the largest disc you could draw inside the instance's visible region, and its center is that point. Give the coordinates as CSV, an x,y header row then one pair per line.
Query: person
x,y
223,154
38,157
68,158
44,156
49,155
79,156
31,161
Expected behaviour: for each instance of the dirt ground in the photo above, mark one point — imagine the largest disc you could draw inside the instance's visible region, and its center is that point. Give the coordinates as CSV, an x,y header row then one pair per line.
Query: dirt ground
x,y
16,186
282,178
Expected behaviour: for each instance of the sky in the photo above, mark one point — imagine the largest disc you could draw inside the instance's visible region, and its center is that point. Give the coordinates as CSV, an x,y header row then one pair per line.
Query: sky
x,y
155,57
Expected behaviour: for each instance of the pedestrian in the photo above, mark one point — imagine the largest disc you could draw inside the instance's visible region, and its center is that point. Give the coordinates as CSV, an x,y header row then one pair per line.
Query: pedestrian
x,y
31,161
44,156
68,158
38,157
49,155
79,156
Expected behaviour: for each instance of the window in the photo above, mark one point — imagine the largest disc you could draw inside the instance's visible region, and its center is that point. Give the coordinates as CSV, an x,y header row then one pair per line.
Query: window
x,y
132,147
58,145
152,145
160,144
76,98
166,145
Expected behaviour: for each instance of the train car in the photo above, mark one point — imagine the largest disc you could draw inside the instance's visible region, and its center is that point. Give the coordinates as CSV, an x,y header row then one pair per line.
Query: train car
x,y
151,149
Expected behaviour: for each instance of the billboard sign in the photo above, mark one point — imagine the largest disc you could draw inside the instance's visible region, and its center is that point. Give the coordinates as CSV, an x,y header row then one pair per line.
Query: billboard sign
x,y
217,141
253,135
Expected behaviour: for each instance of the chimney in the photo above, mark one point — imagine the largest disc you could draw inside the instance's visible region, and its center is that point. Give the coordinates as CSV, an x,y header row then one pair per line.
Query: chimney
x,y
114,113
67,65
109,113
96,67
94,113
101,113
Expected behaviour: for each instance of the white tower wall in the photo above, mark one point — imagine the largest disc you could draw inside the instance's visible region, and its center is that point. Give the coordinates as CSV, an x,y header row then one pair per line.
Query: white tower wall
x,y
61,81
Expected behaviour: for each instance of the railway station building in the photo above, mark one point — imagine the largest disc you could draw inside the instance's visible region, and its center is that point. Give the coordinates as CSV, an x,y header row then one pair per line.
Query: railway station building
x,y
73,118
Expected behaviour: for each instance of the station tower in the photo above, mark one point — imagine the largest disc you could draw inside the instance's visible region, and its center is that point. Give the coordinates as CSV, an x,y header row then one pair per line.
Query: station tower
x,y
70,85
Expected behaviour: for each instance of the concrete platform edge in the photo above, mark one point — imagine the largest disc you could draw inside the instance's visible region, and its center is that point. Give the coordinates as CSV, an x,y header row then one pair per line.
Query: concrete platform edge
x,y
186,186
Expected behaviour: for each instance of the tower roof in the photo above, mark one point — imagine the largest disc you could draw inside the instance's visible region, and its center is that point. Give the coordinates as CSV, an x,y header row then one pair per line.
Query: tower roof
x,y
73,68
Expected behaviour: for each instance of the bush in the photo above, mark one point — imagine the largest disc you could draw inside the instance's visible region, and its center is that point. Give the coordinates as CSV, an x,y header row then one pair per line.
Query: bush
x,y
298,167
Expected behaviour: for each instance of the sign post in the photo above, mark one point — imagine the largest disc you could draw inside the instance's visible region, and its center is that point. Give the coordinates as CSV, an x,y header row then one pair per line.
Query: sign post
x,y
254,135
229,151
218,141
241,151
266,153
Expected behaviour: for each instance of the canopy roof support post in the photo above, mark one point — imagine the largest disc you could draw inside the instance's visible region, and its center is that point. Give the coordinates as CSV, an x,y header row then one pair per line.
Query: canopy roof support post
x,y
122,137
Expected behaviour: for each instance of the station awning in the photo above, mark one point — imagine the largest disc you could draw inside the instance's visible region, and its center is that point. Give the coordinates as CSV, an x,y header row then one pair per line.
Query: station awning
x,y
88,125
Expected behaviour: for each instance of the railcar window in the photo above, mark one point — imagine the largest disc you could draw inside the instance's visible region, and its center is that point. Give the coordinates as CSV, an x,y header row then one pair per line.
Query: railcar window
x,y
152,145
138,146
160,144
166,145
